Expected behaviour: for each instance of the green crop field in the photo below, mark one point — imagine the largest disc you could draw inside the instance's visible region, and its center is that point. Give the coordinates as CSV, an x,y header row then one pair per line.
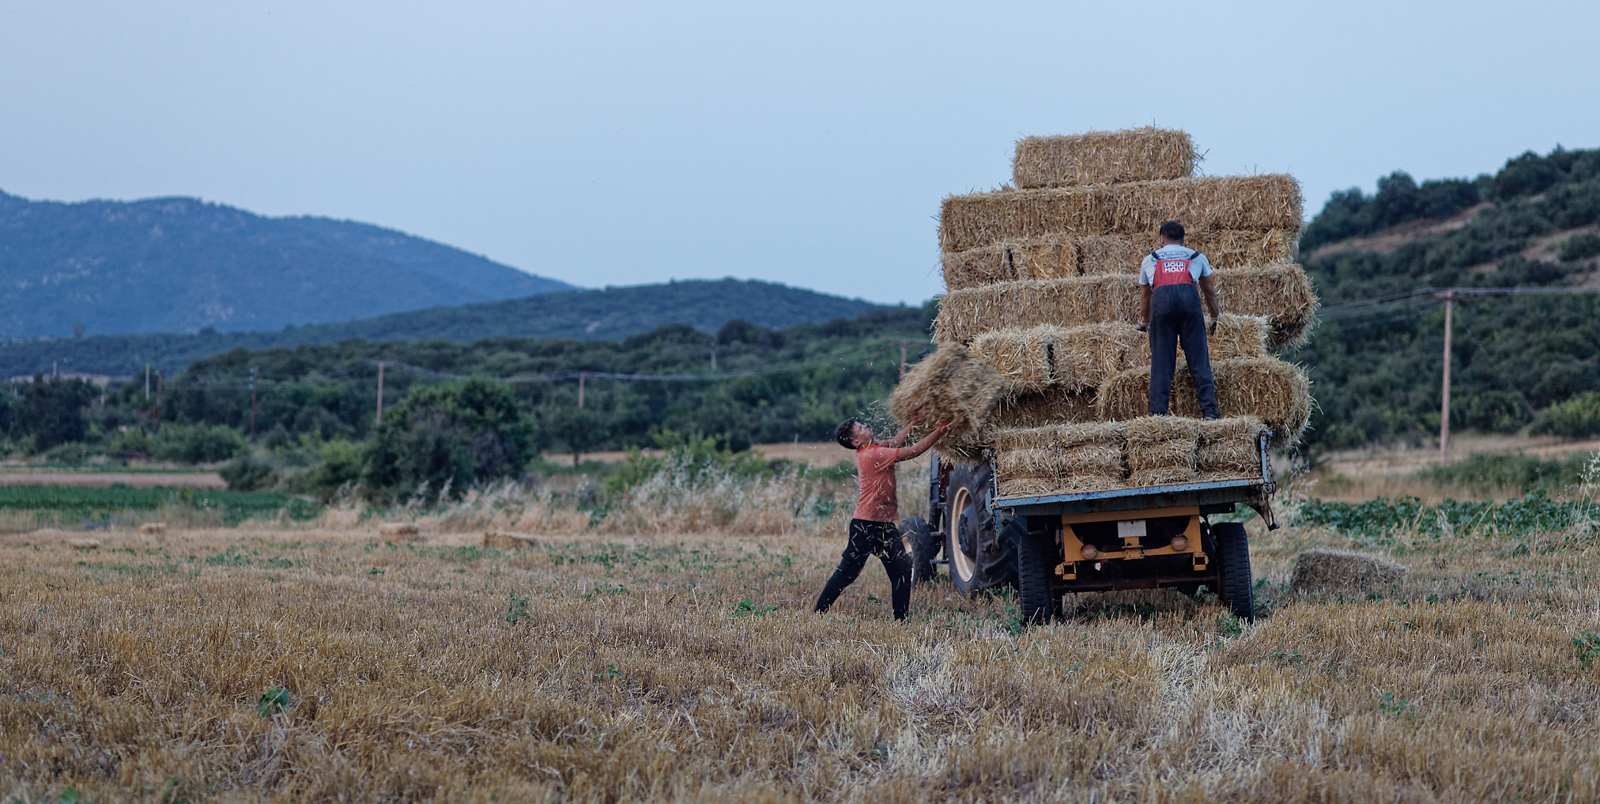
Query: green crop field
x,y
65,503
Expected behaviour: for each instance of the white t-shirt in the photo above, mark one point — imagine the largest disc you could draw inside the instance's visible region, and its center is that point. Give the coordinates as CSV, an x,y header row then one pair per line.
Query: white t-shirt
x,y
1198,267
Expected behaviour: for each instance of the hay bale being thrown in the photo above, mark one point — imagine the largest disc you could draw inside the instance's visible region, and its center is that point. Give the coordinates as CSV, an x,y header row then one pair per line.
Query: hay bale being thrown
x,y
950,385
1341,571
1103,157
1224,249
1227,448
1256,203
1277,393
1022,357
1161,450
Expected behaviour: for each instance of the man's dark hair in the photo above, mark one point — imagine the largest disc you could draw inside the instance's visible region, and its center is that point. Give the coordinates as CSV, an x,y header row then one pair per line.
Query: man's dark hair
x,y
844,434
1172,230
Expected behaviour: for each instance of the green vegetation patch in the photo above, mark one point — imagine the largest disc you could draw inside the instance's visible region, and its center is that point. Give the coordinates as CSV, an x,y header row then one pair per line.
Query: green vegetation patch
x,y
78,502
1382,518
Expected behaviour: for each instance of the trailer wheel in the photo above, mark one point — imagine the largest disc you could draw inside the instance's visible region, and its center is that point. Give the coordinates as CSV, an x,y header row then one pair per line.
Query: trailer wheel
x,y
1037,556
924,548
980,558
1233,564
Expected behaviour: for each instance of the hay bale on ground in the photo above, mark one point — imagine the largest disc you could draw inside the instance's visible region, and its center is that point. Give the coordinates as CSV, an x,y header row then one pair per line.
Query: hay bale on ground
x,y
398,529
1227,448
84,544
1022,357
949,385
1051,406
1277,393
1252,203
153,528
1224,249
505,540
1342,571
1103,157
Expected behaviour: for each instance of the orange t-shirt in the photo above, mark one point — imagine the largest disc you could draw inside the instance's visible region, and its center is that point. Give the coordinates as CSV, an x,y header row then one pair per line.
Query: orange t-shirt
x,y
875,469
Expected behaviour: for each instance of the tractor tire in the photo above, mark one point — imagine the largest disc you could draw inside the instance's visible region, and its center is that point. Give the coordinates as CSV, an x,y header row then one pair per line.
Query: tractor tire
x,y
980,558
924,548
1037,557
1233,564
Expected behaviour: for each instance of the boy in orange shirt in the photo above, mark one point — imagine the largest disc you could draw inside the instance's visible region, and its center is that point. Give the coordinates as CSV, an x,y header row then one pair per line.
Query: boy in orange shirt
x,y
873,531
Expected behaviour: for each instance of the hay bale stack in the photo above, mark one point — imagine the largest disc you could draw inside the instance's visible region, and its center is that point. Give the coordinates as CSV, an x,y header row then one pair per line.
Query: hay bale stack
x,y
1052,406
1020,356
1049,257
1277,393
1254,203
1224,249
965,314
1103,157
1059,459
1088,357
949,385
1236,337
1341,571
1227,448
1161,450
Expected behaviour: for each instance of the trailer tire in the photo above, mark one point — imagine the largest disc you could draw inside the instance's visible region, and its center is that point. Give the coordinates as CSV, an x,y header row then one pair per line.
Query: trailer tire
x,y
924,548
1036,562
1233,564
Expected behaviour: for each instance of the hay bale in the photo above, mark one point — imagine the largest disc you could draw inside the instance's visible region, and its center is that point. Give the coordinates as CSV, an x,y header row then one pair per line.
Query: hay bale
x,y
505,540
1103,157
1044,486
153,528
1059,459
1048,257
970,448
1253,203
396,530
1281,292
1088,357
965,314
1060,436
84,544
1227,448
949,385
1051,406
1270,201
1161,450
1277,393
1022,357
1224,249
1236,337
1342,571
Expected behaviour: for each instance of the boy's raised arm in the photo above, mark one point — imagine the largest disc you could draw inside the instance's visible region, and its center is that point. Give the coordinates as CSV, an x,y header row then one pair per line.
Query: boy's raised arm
x,y
924,445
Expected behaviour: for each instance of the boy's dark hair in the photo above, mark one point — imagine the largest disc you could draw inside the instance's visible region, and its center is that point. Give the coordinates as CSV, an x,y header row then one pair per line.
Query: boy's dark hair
x,y
844,435
1172,230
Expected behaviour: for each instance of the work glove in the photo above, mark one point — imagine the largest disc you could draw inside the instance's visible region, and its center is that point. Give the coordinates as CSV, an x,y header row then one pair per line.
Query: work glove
x,y
1144,327
1211,329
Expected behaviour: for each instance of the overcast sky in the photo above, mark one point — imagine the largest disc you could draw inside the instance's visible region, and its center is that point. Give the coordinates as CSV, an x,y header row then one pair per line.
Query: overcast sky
x,y
805,143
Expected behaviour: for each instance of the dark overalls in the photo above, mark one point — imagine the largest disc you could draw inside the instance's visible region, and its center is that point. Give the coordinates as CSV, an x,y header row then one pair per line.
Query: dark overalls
x,y
1175,318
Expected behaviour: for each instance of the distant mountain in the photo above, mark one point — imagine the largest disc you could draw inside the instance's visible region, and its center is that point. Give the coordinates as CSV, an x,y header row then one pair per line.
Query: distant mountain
x,y
182,265
584,315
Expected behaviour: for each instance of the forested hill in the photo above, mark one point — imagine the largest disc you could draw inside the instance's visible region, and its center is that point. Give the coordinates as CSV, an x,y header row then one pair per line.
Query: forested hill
x,y
584,315
1515,360
182,265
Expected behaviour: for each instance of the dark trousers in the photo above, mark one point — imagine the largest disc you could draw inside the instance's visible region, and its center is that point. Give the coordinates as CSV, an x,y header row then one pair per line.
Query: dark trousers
x,y
1175,318
867,539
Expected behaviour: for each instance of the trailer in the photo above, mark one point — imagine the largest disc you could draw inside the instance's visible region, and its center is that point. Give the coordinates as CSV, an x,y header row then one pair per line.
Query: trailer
x,y
1128,538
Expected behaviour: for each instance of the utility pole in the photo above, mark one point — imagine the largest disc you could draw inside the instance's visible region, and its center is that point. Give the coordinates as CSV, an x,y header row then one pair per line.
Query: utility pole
x,y
253,371
1444,408
158,400
581,375
380,392
903,345
147,382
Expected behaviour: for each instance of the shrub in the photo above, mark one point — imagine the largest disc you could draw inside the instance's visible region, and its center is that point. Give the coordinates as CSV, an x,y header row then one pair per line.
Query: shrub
x,y
53,410
1578,417
442,439
249,473
196,443
1580,246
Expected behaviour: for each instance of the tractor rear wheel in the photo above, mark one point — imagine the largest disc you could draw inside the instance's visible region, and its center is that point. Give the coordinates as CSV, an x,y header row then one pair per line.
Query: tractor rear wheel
x,y
924,548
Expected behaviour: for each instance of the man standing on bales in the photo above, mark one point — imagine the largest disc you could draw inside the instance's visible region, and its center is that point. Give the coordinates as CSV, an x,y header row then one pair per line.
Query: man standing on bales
x,y
1169,308
873,531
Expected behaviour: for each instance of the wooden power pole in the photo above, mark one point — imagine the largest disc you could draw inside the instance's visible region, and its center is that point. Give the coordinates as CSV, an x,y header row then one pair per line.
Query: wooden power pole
x,y
581,375
1444,406
380,393
158,400
253,372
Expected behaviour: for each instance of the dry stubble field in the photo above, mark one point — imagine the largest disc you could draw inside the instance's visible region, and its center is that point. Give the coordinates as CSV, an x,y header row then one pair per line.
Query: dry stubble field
x,y
688,667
